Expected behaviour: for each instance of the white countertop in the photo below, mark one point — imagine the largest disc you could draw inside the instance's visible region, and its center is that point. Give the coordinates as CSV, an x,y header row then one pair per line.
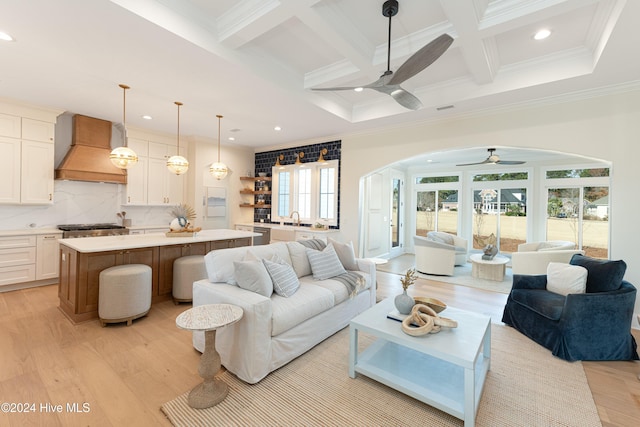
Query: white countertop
x,y
288,227
29,231
115,243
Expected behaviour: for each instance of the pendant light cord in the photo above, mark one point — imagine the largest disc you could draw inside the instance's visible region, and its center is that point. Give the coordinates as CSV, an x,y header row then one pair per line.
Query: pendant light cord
x,y
124,111
219,117
179,104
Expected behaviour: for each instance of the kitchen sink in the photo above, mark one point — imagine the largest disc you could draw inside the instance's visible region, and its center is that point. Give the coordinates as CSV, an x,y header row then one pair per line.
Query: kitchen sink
x,y
283,234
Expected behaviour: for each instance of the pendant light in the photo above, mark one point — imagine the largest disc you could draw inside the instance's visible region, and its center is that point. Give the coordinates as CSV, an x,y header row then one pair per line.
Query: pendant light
x,y
178,164
123,157
218,170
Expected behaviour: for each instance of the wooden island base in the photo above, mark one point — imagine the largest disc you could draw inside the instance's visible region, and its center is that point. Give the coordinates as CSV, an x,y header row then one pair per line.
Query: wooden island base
x,y
80,269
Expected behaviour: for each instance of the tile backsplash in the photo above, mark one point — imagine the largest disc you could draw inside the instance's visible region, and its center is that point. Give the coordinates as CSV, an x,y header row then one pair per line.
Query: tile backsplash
x,y
264,161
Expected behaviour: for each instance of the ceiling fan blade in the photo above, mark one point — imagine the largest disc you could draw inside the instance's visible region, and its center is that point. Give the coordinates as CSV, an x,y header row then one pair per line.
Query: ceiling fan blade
x,y
510,162
420,60
335,88
476,163
406,99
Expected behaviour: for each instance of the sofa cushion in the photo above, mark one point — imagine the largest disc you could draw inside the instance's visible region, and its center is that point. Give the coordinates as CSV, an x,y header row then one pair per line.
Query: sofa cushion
x,y
299,259
253,276
285,281
603,275
543,302
345,253
325,264
441,237
566,279
268,251
307,302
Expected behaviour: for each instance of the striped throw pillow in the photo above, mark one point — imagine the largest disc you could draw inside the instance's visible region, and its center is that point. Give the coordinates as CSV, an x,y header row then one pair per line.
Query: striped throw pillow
x,y
325,264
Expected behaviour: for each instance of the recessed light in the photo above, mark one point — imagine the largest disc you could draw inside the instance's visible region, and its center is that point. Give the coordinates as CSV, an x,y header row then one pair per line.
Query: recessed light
x,y
6,37
542,34
359,89
147,117
231,138
277,128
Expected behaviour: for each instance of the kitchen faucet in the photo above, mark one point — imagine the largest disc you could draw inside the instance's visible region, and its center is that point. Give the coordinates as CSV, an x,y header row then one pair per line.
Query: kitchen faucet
x,y
297,213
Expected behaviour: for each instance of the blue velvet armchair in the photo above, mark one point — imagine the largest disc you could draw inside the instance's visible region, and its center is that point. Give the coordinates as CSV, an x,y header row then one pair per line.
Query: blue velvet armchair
x,y
595,325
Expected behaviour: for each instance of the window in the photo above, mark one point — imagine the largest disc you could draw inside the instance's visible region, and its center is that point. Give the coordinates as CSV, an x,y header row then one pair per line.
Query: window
x,y
436,204
310,189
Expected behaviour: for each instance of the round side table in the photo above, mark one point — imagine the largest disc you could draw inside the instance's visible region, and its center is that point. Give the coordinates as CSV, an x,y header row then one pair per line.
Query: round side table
x,y
208,318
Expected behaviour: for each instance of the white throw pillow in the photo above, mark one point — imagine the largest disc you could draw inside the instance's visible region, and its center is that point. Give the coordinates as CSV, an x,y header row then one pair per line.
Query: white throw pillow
x,y
566,279
253,276
299,259
325,264
345,253
285,281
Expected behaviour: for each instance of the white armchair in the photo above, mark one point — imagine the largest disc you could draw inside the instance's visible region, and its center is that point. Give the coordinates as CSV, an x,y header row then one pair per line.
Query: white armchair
x,y
439,253
533,258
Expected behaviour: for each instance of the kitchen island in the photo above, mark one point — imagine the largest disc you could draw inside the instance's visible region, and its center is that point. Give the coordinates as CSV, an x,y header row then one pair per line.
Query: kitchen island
x,y
82,260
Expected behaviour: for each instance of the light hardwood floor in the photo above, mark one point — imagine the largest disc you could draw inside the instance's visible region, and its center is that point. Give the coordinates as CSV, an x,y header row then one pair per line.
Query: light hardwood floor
x,y
124,374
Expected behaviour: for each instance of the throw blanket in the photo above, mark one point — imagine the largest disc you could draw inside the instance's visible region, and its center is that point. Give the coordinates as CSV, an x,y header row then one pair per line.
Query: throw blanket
x,y
352,280
316,244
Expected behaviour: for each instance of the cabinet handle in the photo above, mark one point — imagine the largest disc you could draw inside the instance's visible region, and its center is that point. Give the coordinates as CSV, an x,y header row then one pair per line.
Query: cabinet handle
x,y
129,199
48,237
50,196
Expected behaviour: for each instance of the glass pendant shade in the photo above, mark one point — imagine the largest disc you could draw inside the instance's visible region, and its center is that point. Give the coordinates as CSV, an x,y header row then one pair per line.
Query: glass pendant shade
x,y
218,169
177,164
123,157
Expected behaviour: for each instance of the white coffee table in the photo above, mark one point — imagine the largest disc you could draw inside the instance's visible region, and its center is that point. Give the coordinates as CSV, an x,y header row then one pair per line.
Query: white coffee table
x,y
446,370
489,269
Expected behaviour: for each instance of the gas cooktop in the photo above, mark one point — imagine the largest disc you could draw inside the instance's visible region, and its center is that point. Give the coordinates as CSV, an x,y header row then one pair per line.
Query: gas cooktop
x,y
75,227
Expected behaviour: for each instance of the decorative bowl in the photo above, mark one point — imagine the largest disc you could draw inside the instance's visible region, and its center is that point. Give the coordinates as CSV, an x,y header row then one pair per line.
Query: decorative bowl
x,y
262,174
434,303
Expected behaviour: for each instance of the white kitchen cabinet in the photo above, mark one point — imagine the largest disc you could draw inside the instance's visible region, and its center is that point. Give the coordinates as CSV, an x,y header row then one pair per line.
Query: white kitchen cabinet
x,y
47,256
36,182
150,182
27,258
17,259
310,234
37,130
165,188
27,146
10,125
10,171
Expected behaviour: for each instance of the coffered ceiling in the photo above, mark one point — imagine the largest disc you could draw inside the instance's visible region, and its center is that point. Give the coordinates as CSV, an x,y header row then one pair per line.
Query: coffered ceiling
x,y
256,61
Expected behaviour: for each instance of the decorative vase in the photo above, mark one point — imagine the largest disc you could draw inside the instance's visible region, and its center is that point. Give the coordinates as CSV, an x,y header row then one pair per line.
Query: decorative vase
x,y
404,303
178,224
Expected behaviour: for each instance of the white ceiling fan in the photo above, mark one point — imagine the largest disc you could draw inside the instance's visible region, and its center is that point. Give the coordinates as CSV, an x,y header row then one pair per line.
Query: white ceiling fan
x,y
494,159
389,82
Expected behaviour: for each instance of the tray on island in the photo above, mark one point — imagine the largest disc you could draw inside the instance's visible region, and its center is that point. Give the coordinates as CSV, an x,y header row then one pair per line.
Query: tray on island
x,y
184,233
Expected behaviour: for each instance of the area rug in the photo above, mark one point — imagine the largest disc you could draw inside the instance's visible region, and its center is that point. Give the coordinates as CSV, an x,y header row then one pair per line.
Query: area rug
x,y
526,387
461,276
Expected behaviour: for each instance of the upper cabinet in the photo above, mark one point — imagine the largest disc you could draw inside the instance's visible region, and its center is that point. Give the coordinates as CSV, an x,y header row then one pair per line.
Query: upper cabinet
x,y
149,182
27,146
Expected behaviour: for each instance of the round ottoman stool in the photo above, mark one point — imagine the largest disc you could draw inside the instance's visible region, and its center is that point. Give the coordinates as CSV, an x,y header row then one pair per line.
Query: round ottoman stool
x,y
124,293
186,270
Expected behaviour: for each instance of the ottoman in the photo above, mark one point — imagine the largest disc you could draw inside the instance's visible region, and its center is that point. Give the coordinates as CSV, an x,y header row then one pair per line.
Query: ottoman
x,y
186,270
124,293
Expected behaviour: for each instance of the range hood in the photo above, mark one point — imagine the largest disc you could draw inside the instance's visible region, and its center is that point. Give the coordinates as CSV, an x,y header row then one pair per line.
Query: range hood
x,y
88,155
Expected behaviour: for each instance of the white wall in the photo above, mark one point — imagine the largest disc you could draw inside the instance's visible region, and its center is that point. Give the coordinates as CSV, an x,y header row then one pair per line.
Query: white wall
x,y
606,127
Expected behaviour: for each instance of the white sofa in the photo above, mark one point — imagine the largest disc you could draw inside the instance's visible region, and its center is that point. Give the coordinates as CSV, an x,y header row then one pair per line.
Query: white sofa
x,y
274,330
533,258
439,253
